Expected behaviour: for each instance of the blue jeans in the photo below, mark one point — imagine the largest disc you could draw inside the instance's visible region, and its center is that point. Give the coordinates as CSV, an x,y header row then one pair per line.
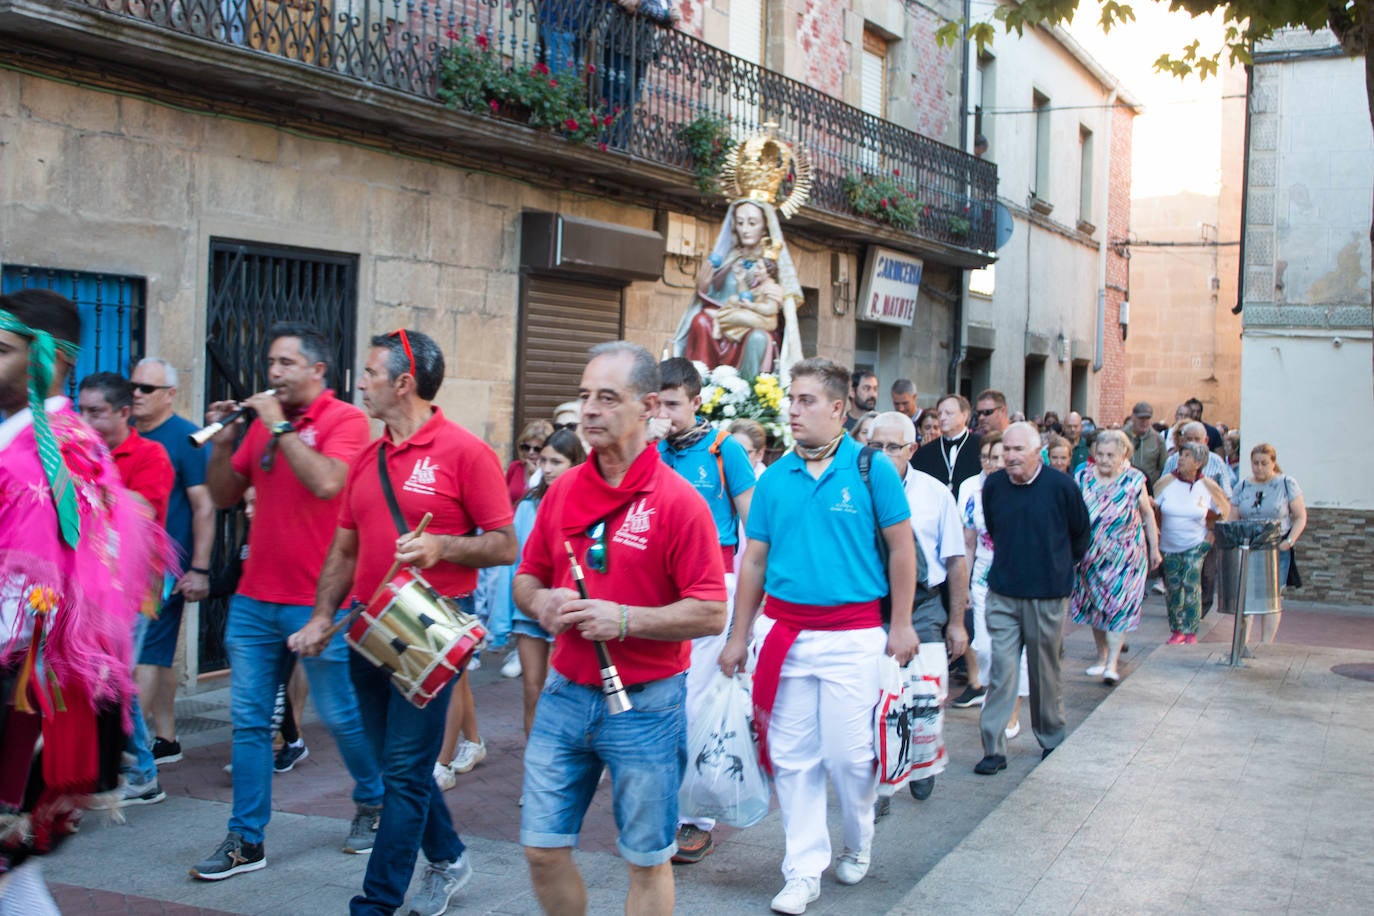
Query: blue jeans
x,y
574,737
256,640
414,815
144,768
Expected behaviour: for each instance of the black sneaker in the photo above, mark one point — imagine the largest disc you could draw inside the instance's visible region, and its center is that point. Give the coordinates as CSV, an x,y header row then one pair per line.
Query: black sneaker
x,y
363,831
230,858
165,752
972,696
288,755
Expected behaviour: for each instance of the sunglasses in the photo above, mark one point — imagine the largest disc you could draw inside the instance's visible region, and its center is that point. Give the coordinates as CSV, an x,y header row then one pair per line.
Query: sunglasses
x,y
405,342
988,412
558,426
529,448
145,388
597,557
891,448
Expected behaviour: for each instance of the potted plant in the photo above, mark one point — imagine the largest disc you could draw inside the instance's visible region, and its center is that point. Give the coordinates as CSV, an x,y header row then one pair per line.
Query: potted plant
x,y
708,143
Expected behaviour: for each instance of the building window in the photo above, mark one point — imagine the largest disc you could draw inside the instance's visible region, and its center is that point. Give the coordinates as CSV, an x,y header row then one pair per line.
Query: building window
x,y
873,95
111,309
1078,387
1085,179
747,30
1040,149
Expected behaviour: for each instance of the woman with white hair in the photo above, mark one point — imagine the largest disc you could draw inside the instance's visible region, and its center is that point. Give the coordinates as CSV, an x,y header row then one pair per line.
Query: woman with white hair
x,y
1185,499
1110,586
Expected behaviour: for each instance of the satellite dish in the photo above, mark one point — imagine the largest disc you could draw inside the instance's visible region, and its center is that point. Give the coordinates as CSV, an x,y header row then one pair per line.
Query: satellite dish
x,y
1005,225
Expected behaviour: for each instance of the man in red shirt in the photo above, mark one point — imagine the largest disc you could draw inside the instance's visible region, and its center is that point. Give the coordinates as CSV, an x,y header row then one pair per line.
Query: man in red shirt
x,y
648,546
296,456
433,466
106,402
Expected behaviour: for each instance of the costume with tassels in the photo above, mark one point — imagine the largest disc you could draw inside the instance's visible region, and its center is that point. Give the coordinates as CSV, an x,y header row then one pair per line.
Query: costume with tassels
x,y
77,553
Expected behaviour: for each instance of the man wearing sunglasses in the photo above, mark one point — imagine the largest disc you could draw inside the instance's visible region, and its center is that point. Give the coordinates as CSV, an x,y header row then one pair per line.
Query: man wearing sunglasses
x,y
431,465
295,455
813,529
191,524
990,412
651,556
718,467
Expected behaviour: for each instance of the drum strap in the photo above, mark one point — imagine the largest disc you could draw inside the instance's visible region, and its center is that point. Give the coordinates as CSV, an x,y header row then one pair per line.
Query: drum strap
x,y
389,493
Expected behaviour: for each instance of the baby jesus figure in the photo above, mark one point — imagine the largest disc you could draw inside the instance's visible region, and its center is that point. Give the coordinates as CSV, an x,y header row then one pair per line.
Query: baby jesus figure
x,y
756,306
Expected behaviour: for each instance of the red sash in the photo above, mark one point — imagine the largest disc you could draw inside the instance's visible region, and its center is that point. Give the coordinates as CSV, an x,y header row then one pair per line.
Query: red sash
x,y
791,620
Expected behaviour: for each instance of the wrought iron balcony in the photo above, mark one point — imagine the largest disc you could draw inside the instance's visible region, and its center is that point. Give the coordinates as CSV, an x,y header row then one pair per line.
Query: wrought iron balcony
x,y
663,77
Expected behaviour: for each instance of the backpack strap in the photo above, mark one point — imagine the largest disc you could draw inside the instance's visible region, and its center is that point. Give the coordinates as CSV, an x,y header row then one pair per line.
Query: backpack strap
x,y
865,463
721,436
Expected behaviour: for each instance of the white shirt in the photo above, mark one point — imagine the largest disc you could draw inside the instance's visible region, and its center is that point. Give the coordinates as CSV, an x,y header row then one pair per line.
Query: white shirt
x,y
935,519
1183,508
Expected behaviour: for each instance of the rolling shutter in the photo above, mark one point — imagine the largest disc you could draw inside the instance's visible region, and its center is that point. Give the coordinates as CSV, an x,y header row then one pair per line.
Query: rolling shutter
x,y
561,320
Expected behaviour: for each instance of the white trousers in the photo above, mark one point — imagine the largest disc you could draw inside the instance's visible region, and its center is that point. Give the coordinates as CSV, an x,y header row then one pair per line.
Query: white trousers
x,y
823,724
982,641
705,664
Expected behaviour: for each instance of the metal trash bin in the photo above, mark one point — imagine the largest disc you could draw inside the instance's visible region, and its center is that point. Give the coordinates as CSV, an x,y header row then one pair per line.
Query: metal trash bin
x,y
1262,595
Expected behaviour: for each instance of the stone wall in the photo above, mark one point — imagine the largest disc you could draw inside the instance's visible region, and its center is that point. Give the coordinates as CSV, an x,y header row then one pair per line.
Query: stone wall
x,y
1336,557
1111,399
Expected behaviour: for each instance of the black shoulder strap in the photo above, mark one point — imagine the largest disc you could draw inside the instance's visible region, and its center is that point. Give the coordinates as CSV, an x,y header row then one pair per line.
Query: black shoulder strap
x,y
396,516
864,463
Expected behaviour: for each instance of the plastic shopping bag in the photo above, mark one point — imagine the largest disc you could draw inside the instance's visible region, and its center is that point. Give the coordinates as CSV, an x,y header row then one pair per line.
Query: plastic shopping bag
x,y
724,779
909,721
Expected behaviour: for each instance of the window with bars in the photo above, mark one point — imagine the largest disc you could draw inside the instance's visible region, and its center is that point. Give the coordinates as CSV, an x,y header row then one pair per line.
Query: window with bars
x,y
112,309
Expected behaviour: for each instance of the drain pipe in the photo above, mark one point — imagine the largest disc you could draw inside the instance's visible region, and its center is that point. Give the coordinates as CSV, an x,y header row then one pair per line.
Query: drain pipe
x,y
957,323
1099,342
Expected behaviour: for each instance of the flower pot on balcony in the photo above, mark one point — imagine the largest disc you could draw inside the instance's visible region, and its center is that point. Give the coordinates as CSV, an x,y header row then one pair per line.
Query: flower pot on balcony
x,y
513,111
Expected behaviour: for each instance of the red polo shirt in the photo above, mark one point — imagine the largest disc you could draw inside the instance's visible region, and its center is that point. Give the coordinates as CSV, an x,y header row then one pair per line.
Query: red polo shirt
x,y
443,469
292,527
662,547
144,467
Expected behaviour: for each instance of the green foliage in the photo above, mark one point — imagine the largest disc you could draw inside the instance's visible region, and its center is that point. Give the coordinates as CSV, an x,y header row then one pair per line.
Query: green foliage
x,y
473,77
708,142
886,199
1247,22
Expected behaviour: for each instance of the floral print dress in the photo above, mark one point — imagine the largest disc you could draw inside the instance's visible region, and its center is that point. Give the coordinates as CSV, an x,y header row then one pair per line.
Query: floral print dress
x,y
1110,587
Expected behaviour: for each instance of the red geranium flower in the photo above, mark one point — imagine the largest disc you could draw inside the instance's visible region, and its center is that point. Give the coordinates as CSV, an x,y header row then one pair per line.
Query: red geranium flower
x,y
495,106
452,35
541,68
601,146
883,203
897,172
571,124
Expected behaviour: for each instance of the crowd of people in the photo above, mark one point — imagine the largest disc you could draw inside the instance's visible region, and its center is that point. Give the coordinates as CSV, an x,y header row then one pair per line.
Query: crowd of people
x,y
627,531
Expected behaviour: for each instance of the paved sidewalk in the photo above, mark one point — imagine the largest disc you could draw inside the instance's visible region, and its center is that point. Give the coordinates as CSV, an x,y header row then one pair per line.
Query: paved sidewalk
x,y
1144,787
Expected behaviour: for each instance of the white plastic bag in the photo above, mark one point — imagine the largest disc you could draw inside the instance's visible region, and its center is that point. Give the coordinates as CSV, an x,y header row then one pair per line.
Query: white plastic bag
x,y
724,778
909,721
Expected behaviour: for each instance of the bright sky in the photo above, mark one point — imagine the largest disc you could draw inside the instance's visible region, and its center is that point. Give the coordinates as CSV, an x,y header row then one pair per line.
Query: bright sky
x,y
1177,139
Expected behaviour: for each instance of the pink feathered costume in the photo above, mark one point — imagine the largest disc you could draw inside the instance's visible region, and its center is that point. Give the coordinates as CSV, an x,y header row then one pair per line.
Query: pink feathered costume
x,y
65,622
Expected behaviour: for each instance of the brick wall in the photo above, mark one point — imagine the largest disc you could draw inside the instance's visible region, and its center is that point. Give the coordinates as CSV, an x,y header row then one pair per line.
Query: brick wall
x,y
1336,557
820,34
930,68
1111,382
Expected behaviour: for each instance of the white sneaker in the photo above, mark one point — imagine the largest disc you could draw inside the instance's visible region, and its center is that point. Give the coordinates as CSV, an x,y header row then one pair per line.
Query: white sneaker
x,y
852,866
1095,670
1157,588
795,895
444,777
511,667
1013,729
470,753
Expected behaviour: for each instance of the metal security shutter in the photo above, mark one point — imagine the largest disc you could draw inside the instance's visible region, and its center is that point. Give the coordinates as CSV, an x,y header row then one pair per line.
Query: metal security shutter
x,y
873,75
561,318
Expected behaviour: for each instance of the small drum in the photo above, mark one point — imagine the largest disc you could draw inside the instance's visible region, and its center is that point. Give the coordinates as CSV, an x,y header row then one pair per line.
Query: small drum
x,y
420,636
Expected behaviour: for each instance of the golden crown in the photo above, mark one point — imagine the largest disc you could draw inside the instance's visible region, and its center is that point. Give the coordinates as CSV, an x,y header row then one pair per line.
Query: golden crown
x,y
761,169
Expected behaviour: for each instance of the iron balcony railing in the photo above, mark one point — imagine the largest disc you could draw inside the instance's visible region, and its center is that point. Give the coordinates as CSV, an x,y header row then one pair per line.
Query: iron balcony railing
x,y
663,77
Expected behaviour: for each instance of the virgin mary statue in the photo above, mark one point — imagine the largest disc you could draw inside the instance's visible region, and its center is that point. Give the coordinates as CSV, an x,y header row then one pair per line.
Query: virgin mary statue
x,y
744,311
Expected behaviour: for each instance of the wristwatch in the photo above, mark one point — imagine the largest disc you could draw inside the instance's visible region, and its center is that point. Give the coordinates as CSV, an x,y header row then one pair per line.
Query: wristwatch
x,y
281,428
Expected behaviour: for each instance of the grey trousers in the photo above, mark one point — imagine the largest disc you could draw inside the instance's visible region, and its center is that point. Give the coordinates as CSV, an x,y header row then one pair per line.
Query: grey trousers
x,y
1038,625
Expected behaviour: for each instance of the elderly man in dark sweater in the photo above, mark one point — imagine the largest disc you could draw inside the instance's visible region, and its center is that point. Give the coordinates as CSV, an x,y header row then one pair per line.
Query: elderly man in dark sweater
x,y
1040,529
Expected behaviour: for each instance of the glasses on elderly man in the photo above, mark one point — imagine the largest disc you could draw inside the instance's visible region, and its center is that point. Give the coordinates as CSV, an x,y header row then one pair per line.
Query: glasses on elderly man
x,y
145,388
891,448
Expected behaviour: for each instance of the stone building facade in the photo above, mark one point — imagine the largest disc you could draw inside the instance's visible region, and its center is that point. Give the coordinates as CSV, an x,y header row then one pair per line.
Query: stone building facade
x,y
180,178
1306,346
1043,326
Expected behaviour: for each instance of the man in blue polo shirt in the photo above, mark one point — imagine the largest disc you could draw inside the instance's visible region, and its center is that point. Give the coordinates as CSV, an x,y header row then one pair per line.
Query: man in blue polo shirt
x,y
718,468
191,524
812,530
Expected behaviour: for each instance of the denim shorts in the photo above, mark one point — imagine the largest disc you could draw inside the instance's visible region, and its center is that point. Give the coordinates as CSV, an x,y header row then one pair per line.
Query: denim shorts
x,y
160,641
575,735
523,626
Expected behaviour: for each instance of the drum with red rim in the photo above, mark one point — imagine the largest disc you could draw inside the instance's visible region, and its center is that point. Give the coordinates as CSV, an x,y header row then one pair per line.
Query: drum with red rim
x,y
423,638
